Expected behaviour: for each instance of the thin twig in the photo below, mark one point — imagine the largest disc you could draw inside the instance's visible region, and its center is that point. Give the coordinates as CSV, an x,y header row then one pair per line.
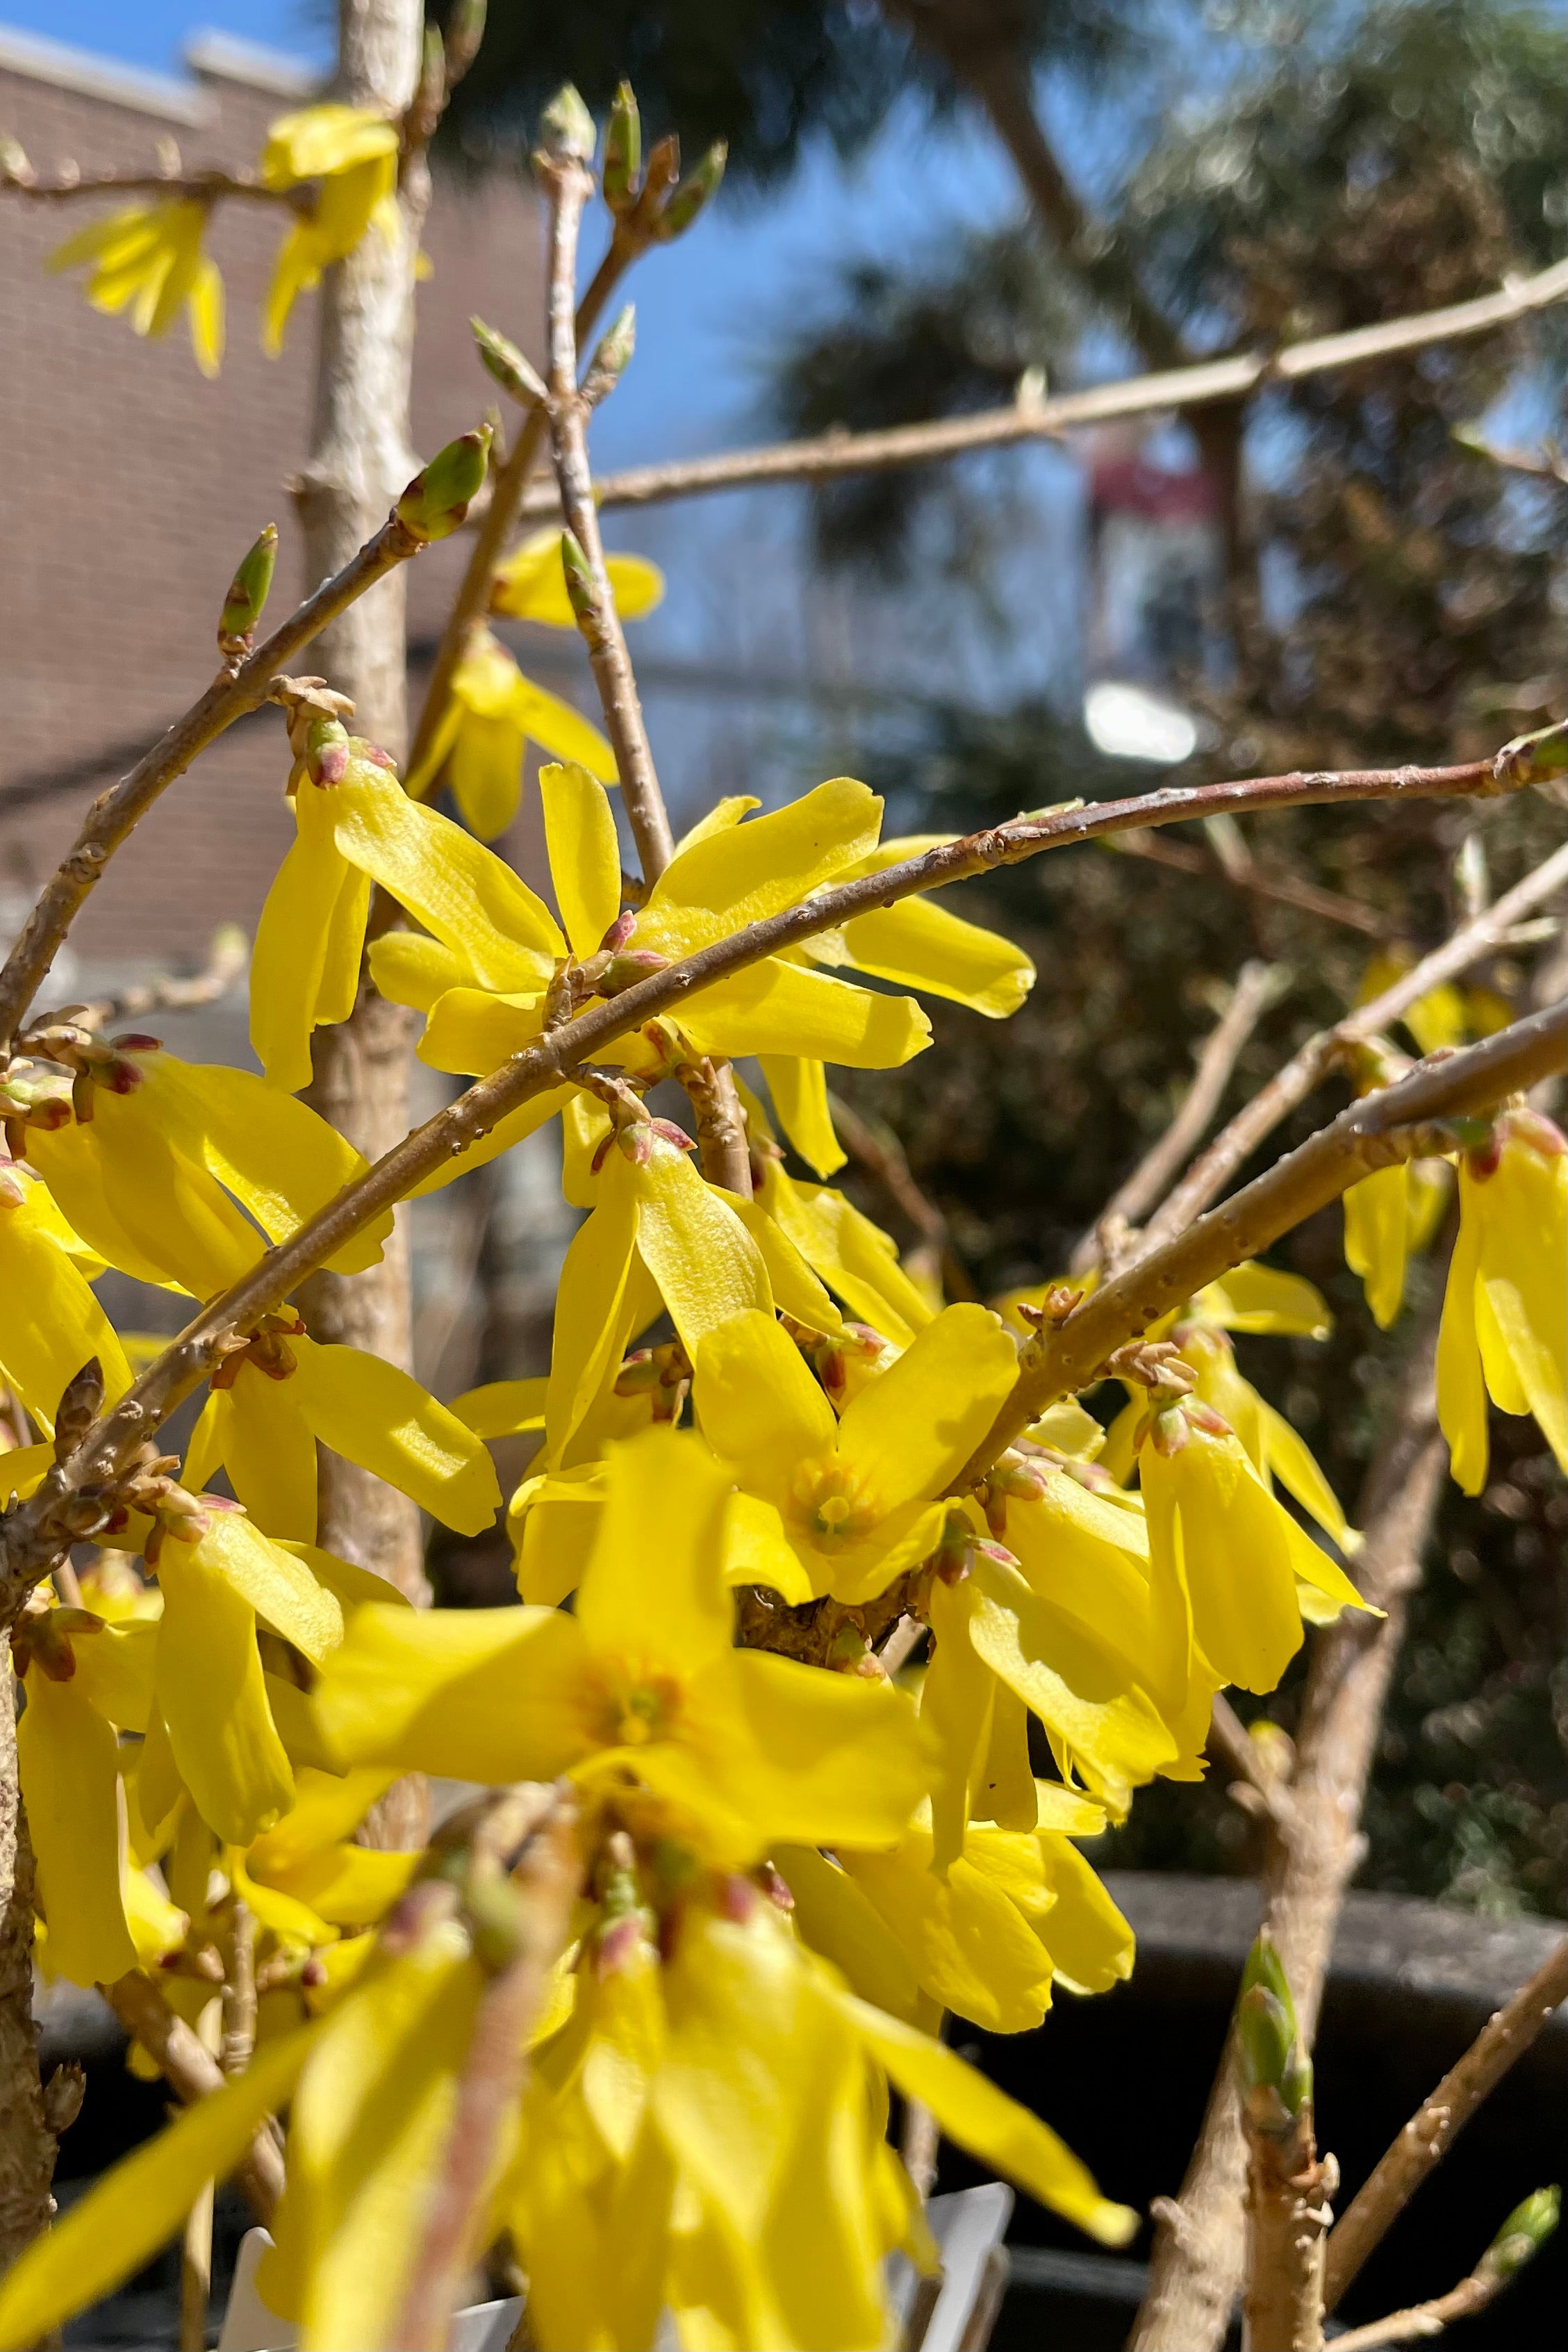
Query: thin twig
x,y
831,456
1232,1745
900,1644
39,1529
192,2073
1419,2322
226,962
545,1880
1284,890
231,694
1256,986
1312,1061
1432,2130
239,2000
205,187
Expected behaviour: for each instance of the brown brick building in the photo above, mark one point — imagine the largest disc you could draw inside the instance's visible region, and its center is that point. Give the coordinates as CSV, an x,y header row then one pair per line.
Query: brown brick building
x,y
129,486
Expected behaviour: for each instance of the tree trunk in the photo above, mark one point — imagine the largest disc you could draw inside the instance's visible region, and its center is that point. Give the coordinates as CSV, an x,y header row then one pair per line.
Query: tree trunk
x,y
360,460
26,2145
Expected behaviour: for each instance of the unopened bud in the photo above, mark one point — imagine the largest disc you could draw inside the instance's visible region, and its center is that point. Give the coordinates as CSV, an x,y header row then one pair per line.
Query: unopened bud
x,y
693,193
79,1408
1531,759
38,1092
566,129
464,31
247,596
581,595
623,152
437,501
611,356
1524,2232
326,754
514,374
627,968
1273,2062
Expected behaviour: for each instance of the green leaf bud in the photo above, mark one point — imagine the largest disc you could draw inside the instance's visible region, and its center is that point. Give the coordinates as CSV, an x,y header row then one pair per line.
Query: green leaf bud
x,y
580,588
1267,2035
437,501
623,152
611,357
692,193
1524,2232
1531,759
247,595
464,31
514,374
566,129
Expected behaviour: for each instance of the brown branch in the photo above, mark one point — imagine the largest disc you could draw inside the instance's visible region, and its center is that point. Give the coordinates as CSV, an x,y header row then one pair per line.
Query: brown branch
x,y
546,1880
1288,2187
192,2073
832,455
239,1998
1432,2130
1256,988
206,187
1312,1061
41,1527
234,693
1394,1124
1421,2321
1282,890
1231,1744
1313,1851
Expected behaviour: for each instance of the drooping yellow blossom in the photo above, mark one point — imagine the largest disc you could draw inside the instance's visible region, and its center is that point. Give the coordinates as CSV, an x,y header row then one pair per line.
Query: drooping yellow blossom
x,y
1271,1446
1224,1555
51,1325
639,1689
493,714
1502,1333
151,1168
353,154
530,585
272,1402
1447,1014
851,1502
150,259
1389,1218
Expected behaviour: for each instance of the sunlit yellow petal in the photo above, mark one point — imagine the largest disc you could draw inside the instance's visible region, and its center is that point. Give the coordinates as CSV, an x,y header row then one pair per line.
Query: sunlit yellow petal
x,y
376,1414
584,854
682,1616
735,876
777,1008
1376,1238
912,1427
70,1784
214,1701
800,1090
481,1693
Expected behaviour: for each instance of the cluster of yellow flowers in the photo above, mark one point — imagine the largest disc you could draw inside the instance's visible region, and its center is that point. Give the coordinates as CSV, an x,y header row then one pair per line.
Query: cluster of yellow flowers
x,y
150,259
792,1866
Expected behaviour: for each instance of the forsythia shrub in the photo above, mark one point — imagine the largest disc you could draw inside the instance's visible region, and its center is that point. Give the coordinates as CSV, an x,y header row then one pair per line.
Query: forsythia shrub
x,y
786,1863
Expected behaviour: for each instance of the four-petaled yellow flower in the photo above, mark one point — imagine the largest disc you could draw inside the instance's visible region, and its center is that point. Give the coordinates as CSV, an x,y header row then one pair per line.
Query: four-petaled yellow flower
x,y
149,260
353,154
493,713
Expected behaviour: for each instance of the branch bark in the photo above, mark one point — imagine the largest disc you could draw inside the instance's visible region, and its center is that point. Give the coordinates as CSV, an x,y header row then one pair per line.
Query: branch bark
x,y
832,455
1432,2130
359,457
192,2073
1314,1849
27,2144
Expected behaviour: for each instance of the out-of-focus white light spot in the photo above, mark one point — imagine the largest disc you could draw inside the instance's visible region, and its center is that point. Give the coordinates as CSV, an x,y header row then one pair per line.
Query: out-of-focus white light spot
x,y
1127,722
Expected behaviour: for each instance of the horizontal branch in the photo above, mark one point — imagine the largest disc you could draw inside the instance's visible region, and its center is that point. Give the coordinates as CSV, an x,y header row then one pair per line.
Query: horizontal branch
x,y
832,455
204,187
232,695
1398,1122
1312,1063
1432,2130
33,1534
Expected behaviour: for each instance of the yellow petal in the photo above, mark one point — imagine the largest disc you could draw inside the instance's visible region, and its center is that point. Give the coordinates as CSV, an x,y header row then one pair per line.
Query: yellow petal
x,y
835,1917
989,2124
970,1948
680,1616
485,773
584,854
480,1694
413,969
1094,1707
502,1408
1523,1276
956,1700
800,1092
288,960
67,1756
560,729
214,1701
255,1429
828,1760
796,1290
143,1204
134,2209
318,141
115,1671
278,1585
918,944
723,815
757,1403
704,1262
1261,1298
853,1257
775,1008
1462,1411
735,876
1293,1465
1376,1238
374,1413
593,1282
912,1428
52,1324
757,1551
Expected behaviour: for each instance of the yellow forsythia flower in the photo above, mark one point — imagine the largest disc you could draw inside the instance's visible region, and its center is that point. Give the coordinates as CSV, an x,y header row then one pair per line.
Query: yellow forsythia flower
x,y
52,1324
530,585
641,1680
353,154
1506,1305
149,260
493,714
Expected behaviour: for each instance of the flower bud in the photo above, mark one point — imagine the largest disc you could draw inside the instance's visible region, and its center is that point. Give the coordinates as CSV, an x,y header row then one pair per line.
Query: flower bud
x,y
1273,2065
693,193
464,31
1531,759
566,129
437,499
511,371
626,970
623,152
247,596
79,1408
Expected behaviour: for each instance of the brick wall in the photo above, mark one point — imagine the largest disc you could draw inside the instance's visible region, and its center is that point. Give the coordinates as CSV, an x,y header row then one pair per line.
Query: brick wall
x,y
130,484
